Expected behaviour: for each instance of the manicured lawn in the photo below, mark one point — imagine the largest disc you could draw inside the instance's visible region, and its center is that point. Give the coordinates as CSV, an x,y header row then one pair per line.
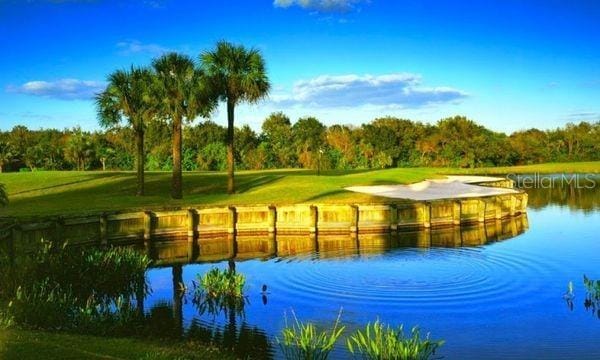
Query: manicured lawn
x,y
548,168
20,344
52,193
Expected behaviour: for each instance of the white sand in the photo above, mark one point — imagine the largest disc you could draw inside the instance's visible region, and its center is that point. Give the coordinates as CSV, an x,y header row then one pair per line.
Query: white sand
x,y
450,188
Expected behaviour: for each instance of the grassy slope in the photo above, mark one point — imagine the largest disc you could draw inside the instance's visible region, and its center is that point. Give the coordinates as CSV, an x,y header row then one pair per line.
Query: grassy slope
x,y
20,344
51,193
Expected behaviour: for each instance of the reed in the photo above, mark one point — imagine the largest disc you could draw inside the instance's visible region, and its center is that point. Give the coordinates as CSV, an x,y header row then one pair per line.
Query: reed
x,y
382,342
303,340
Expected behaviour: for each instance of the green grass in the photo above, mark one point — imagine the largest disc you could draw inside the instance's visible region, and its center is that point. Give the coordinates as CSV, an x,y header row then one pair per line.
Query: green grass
x,y
64,193
21,344
548,168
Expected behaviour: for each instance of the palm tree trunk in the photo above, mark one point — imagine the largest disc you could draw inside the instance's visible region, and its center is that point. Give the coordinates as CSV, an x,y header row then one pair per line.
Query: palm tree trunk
x,y
139,139
176,183
230,160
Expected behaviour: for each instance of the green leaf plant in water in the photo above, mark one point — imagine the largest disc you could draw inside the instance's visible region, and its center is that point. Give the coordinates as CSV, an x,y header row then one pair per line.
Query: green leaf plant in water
x,y
303,340
380,341
592,297
220,291
61,287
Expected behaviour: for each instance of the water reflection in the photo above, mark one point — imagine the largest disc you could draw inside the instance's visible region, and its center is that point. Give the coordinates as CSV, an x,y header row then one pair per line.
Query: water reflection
x,y
215,249
577,192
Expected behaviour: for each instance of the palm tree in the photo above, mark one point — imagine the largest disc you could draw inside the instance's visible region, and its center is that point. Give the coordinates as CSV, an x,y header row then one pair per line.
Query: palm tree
x,y
236,74
129,95
183,95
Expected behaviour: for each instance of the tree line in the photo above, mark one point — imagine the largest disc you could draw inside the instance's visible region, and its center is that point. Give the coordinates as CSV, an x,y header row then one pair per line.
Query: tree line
x,y
306,143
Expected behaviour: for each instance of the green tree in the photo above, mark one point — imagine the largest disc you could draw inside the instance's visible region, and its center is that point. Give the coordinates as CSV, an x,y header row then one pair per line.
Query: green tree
x,y
246,142
277,132
129,95
5,154
237,75
309,140
183,94
213,157
79,149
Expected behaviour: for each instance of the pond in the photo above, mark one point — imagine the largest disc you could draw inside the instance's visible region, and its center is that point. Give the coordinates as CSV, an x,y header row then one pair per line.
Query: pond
x,y
489,292
498,289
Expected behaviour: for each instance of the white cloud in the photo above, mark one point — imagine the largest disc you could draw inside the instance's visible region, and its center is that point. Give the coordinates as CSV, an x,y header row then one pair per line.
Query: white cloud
x,y
320,5
63,89
400,90
130,47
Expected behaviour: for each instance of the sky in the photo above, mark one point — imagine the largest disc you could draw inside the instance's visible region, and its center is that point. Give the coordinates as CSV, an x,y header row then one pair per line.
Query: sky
x,y
507,64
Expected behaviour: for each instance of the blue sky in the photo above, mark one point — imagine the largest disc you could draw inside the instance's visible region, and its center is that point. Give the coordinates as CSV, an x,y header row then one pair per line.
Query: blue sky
x,y
506,64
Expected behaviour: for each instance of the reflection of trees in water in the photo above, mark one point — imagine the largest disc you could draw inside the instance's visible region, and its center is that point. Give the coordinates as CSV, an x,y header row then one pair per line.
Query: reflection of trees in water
x,y
573,195
165,321
244,340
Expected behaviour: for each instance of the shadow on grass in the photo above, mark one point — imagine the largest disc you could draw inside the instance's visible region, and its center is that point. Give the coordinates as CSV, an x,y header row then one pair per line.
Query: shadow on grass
x,y
94,177
247,183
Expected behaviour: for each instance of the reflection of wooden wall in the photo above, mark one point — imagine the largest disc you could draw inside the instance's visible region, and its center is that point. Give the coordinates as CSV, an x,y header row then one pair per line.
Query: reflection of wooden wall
x,y
250,246
321,219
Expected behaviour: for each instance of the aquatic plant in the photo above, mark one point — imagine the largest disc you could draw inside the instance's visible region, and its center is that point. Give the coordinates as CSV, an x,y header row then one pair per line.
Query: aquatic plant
x,y
58,286
222,283
592,298
302,340
220,291
380,341
592,288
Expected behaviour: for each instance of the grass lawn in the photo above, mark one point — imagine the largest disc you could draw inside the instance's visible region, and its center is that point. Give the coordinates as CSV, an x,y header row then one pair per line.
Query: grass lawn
x,y
21,344
53,192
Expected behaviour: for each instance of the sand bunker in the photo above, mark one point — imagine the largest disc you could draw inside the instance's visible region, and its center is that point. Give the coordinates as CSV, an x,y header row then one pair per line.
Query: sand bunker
x,y
449,188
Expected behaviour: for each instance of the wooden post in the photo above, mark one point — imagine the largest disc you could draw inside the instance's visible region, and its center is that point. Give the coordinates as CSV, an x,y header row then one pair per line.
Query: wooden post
x,y
272,219
426,214
272,244
424,238
147,226
394,217
498,204
191,225
458,240
231,220
313,219
481,211
482,233
103,229
354,219
456,212
513,205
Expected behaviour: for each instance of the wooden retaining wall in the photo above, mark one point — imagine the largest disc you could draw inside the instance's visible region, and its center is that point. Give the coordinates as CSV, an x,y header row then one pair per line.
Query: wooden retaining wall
x,y
322,219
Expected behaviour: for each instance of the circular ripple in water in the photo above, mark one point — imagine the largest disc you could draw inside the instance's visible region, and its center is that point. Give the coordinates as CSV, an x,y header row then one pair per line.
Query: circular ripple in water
x,y
452,280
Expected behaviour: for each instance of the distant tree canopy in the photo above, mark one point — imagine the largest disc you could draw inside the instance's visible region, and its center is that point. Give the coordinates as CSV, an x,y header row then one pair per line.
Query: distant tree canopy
x,y
305,143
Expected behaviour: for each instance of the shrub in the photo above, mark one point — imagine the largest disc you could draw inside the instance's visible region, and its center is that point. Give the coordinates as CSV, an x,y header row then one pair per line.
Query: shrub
x,y
379,341
305,341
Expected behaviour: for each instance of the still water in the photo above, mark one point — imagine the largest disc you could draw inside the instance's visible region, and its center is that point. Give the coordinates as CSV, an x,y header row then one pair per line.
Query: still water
x,y
493,292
